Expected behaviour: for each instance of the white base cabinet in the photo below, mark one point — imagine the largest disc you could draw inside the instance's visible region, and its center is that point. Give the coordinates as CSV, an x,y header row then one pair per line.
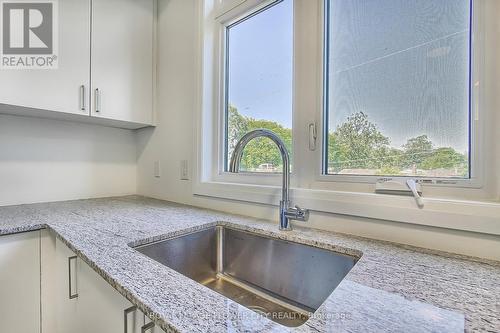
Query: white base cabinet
x,y
20,283
85,302
46,288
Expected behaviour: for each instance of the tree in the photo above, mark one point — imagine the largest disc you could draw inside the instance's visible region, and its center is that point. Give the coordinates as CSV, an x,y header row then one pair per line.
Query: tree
x,y
416,150
355,144
358,143
335,155
389,160
261,150
237,126
445,158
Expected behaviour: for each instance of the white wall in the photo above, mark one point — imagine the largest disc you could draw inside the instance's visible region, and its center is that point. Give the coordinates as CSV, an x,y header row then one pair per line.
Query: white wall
x,y
173,141
48,160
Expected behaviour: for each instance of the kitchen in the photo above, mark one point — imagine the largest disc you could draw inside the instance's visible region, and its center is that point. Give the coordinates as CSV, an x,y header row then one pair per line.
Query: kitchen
x,y
133,197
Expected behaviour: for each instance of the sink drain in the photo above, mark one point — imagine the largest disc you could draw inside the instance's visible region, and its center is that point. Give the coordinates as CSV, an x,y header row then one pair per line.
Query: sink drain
x,y
260,310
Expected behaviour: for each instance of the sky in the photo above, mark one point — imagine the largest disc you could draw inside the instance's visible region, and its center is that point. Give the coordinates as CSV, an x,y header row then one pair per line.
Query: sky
x,y
260,62
413,83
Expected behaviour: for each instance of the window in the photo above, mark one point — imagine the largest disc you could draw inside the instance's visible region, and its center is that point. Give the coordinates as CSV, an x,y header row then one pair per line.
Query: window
x,y
258,84
375,88
397,88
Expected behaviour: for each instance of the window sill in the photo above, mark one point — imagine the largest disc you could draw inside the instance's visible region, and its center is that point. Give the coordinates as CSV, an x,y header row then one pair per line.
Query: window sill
x,y
472,216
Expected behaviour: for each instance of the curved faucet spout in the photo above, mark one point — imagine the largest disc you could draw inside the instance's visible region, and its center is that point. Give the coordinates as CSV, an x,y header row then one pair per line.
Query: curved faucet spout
x,y
234,165
286,212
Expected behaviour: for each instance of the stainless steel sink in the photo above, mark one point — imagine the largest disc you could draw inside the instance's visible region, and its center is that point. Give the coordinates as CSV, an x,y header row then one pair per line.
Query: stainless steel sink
x,y
282,280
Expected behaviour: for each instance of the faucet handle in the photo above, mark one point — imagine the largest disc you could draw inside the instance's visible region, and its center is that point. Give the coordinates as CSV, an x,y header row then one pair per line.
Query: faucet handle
x,y
303,213
298,214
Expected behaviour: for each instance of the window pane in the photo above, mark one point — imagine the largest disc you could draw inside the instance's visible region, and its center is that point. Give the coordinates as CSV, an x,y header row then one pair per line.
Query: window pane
x,y
259,85
398,87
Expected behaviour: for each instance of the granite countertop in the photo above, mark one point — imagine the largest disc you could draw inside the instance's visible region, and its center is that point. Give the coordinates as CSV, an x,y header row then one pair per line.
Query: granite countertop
x,y
392,288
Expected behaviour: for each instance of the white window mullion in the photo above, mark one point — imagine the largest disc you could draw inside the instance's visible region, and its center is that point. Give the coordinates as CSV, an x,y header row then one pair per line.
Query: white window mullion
x,y
307,89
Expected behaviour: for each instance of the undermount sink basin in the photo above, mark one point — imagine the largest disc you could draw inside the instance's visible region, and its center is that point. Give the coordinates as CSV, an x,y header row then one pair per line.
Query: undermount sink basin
x,y
284,281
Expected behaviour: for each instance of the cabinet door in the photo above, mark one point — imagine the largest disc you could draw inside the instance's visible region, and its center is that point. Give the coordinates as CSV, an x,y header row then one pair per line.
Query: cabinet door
x,y
153,328
122,60
48,283
65,89
20,283
95,306
68,304
103,308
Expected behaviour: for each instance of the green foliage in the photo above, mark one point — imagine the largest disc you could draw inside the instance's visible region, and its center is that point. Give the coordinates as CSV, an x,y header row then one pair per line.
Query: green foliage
x,y
417,150
444,158
261,150
355,144
389,159
387,170
237,126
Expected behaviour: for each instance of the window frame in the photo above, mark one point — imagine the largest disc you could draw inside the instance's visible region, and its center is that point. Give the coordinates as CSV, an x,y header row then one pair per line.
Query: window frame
x,y
233,16
250,8
308,98
476,124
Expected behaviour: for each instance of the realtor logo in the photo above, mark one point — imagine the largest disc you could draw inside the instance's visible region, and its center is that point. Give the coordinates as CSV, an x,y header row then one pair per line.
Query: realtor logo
x,y
29,34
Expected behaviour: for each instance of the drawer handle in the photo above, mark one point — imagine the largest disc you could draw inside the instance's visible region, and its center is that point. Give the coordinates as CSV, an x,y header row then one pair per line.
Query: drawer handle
x,y
71,295
147,327
126,312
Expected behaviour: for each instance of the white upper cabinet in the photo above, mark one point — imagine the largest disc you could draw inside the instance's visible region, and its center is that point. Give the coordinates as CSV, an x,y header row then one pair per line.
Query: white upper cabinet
x,y
65,88
122,60
105,71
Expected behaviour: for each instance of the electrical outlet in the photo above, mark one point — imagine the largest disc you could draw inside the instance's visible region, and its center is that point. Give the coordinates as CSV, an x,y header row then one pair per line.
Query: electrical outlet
x,y
157,169
184,170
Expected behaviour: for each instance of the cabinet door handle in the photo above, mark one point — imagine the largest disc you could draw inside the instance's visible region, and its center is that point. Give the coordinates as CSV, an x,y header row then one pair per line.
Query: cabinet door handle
x,y
82,98
147,327
71,295
126,312
97,101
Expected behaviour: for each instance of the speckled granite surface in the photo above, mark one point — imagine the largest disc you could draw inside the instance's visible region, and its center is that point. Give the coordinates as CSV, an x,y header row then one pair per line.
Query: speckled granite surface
x,y
391,289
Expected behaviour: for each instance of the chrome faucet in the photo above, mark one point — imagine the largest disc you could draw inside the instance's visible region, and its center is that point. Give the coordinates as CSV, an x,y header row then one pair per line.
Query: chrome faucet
x,y
287,212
